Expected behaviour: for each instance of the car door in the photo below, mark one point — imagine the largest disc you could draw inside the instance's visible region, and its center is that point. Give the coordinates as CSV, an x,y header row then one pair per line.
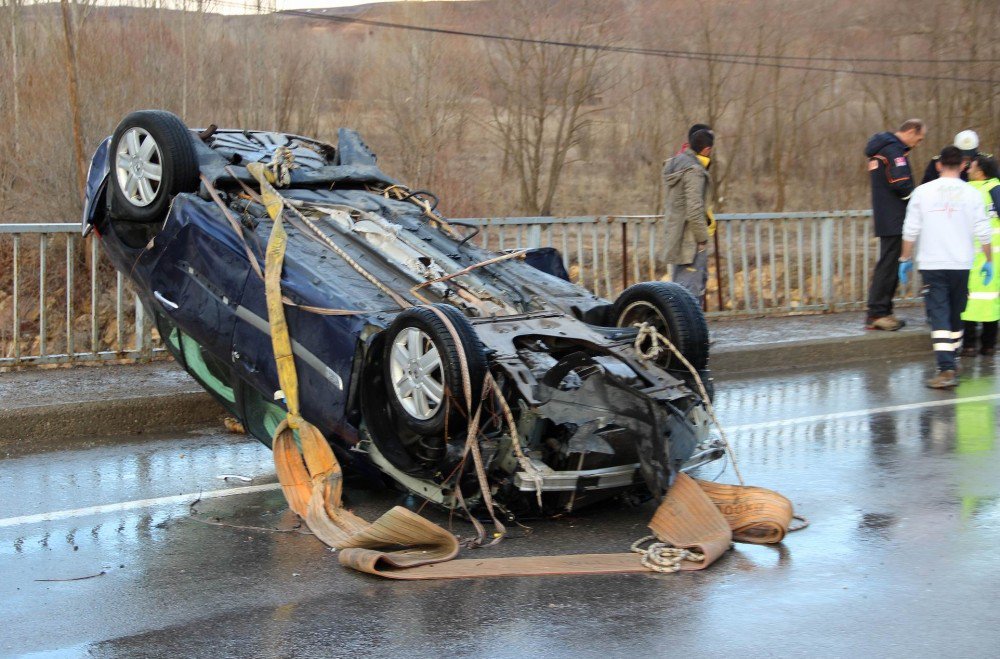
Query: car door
x,y
198,280
324,349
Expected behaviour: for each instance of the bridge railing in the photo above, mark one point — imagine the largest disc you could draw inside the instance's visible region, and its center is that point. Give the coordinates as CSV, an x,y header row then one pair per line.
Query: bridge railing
x,y
62,302
766,263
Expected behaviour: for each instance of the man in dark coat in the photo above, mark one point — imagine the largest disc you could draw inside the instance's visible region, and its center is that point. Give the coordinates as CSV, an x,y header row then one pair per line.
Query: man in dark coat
x,y
892,184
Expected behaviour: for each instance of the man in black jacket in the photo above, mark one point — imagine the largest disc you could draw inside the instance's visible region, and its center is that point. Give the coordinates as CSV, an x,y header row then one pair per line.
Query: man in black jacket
x,y
892,183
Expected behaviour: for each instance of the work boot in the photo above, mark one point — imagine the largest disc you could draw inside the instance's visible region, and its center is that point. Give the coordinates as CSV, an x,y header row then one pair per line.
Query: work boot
x,y
943,380
887,323
988,352
969,351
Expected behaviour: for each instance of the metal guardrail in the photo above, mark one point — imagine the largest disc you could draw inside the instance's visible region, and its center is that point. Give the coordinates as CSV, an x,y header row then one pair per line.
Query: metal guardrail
x,y
62,302
766,263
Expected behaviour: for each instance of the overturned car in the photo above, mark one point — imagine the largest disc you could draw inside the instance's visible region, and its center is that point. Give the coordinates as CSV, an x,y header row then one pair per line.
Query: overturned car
x,y
404,332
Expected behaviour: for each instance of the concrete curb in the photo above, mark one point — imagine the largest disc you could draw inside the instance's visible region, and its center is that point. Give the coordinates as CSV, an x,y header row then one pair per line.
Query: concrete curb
x,y
112,416
837,350
183,410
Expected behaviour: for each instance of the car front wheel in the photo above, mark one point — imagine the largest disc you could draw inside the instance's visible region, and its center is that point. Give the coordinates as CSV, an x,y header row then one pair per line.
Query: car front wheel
x,y
152,159
675,314
423,366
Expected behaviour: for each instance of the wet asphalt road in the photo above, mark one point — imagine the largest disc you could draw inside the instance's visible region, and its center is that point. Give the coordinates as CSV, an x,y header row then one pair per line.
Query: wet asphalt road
x,y
900,560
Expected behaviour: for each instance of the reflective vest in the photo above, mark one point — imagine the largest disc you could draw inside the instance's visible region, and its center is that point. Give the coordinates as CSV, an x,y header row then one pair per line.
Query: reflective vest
x,y
984,301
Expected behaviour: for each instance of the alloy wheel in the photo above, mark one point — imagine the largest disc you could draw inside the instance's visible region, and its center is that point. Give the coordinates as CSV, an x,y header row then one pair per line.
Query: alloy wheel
x,y
417,373
138,166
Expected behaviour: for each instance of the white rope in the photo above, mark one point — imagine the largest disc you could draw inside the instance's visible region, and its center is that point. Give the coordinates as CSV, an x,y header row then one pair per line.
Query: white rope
x,y
527,465
661,557
281,166
656,338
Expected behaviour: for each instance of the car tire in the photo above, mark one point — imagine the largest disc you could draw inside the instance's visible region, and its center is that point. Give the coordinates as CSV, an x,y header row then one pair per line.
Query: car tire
x,y
431,369
147,144
675,313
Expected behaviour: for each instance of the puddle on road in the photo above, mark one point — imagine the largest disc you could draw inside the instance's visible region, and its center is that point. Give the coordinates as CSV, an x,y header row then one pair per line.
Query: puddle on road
x,y
119,472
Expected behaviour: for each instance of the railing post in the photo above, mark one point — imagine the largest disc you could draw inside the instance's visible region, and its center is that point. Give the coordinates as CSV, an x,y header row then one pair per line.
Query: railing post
x,y
624,254
534,236
70,290
143,337
826,261
42,275
120,311
92,242
608,228
718,267
17,298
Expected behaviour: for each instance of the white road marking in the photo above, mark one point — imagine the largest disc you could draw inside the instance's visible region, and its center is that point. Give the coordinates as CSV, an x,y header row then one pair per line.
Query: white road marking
x,y
853,413
138,503
234,491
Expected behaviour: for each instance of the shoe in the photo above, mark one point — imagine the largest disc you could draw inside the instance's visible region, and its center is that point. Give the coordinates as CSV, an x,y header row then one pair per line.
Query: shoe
x,y
887,323
988,352
969,351
943,380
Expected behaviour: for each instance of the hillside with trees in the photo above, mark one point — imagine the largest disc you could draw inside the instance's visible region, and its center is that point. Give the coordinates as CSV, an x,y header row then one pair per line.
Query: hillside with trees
x,y
509,127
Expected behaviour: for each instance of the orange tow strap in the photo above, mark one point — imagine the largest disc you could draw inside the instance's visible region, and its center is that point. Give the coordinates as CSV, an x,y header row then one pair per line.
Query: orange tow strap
x,y
700,516
687,518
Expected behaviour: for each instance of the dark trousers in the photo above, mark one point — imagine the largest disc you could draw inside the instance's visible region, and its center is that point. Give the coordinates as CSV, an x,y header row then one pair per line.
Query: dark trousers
x,y
988,337
885,278
945,293
693,276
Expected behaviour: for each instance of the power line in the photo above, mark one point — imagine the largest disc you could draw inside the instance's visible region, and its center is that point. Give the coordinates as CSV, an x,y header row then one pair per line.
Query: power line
x,y
725,58
253,7
728,59
706,56
846,60
808,58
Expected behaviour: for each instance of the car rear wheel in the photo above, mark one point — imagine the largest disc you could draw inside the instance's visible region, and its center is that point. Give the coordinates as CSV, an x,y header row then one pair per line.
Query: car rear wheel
x,y
152,159
674,312
423,368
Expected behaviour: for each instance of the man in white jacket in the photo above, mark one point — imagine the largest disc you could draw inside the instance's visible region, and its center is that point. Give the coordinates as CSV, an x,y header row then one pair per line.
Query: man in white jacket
x,y
946,214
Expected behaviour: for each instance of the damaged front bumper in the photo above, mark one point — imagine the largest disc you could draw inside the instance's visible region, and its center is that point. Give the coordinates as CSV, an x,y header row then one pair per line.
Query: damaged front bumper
x,y
608,478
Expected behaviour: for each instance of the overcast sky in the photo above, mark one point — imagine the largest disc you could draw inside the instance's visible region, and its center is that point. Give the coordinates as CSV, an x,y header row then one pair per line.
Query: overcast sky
x,y
241,6
302,4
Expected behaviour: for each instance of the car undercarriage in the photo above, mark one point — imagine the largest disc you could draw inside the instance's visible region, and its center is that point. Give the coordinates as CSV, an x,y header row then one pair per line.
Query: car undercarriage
x,y
425,360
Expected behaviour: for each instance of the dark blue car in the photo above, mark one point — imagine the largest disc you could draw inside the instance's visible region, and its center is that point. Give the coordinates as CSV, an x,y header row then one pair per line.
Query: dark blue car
x,y
178,212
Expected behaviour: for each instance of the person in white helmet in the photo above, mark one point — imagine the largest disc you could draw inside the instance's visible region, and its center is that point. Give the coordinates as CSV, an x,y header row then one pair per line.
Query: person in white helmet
x,y
967,141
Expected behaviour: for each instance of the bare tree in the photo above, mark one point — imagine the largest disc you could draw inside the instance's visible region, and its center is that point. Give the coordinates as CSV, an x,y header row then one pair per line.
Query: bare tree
x,y
426,102
546,98
711,88
73,88
15,74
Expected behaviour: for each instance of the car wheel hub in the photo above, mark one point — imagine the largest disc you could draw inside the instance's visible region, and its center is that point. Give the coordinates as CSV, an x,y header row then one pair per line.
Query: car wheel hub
x,y
138,166
417,373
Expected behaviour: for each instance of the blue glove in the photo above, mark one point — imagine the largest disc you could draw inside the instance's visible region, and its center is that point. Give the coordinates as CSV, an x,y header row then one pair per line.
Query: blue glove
x,y
904,271
987,273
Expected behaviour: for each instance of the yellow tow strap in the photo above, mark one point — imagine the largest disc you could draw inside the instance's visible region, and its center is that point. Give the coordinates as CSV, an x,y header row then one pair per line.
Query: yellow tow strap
x,y
310,476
